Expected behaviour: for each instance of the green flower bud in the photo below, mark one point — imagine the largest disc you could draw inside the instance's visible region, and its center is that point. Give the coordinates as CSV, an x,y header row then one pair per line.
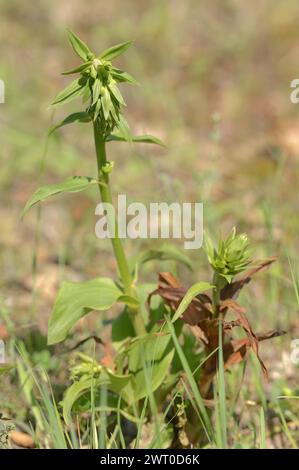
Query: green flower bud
x,y
108,167
232,255
97,82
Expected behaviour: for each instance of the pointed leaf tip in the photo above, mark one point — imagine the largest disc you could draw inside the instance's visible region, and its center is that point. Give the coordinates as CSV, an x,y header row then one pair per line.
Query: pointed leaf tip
x,y
79,47
116,51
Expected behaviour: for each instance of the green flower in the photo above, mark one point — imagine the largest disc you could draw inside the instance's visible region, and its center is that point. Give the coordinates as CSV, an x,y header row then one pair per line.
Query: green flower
x,y
232,256
97,85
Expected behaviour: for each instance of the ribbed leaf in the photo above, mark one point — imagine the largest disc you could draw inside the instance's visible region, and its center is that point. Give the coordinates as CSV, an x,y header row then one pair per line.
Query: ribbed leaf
x,y
96,88
79,47
75,117
115,383
195,290
115,51
141,139
79,69
73,184
122,76
72,91
117,94
124,129
106,103
76,299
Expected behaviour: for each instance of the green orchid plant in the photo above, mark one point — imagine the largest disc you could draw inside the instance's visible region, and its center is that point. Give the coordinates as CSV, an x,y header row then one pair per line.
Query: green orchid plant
x,y
97,85
144,361
136,342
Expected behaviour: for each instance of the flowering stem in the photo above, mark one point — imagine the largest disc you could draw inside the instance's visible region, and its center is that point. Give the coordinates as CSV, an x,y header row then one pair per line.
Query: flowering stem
x,y
219,282
119,253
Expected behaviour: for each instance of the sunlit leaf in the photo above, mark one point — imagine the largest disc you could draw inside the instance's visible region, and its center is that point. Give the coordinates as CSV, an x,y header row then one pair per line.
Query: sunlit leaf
x,y
72,91
106,102
73,184
75,117
76,299
96,88
79,47
122,76
113,382
124,129
79,69
141,139
115,51
195,290
117,94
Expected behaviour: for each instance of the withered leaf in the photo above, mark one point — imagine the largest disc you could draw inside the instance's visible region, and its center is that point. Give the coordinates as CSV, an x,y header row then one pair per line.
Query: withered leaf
x,y
233,289
172,292
205,326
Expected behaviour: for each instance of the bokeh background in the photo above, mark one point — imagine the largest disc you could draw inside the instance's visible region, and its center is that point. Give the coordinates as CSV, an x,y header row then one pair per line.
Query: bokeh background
x,y
215,85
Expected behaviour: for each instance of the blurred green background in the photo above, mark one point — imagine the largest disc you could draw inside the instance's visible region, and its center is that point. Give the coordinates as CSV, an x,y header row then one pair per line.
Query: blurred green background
x,y
215,85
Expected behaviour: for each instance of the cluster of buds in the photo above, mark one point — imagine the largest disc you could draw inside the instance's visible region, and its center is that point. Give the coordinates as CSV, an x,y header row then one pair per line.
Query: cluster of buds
x,y
97,84
231,257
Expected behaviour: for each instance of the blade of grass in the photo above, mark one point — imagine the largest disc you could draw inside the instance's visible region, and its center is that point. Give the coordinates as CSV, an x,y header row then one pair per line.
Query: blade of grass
x,y
285,427
120,432
139,429
198,399
152,401
263,444
221,390
103,416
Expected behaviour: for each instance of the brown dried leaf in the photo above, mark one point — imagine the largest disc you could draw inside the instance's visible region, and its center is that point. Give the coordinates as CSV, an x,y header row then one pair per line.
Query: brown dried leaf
x,y
235,351
232,290
243,322
172,292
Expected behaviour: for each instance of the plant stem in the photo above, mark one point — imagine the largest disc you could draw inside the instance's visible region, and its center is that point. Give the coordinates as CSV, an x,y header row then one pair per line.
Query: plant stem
x,y
219,282
119,253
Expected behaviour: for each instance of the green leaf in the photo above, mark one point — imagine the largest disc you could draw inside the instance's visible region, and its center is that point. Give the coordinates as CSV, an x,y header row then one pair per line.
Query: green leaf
x,y
113,382
143,291
86,93
96,89
141,139
75,391
124,129
97,109
202,413
151,347
73,184
76,299
4,368
122,327
157,372
79,69
122,76
115,51
195,290
106,102
117,94
72,91
151,354
128,300
79,47
75,117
